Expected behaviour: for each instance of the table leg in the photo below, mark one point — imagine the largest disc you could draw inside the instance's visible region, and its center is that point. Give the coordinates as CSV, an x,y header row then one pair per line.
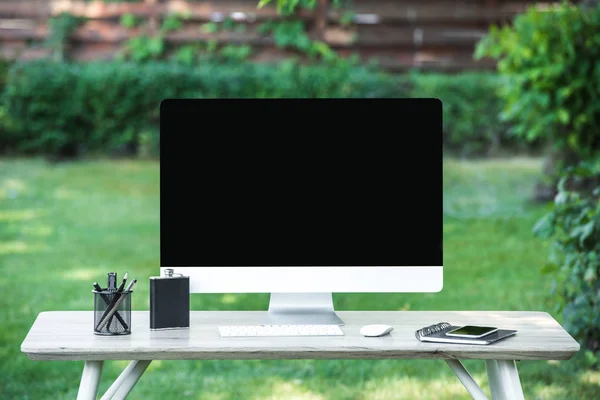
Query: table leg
x,y
90,378
466,379
504,380
127,380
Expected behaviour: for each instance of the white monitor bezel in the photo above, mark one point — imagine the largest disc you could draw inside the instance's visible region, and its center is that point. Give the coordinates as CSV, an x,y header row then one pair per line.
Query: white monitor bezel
x,y
312,279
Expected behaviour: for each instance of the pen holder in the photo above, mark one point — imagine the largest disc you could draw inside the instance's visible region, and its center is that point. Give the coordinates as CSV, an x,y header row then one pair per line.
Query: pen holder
x,y
112,313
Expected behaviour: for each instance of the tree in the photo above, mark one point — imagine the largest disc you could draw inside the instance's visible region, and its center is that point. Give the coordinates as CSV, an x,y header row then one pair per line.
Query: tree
x,y
549,58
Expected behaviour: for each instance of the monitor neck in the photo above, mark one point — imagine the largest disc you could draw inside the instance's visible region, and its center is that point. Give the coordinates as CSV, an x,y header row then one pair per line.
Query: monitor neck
x,y
302,309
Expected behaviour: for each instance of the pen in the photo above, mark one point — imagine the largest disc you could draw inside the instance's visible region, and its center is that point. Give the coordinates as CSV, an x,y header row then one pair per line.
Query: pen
x,y
122,285
114,308
119,290
130,285
107,302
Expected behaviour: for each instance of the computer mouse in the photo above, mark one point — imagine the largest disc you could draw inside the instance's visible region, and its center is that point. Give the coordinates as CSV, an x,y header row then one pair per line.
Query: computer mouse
x,y
375,330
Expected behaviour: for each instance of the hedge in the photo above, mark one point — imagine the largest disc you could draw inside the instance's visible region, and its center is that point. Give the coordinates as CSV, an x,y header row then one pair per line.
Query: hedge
x,y
472,111
112,107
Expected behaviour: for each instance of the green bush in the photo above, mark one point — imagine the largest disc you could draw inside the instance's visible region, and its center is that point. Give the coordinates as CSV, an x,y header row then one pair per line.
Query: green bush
x,y
574,224
108,107
4,68
62,108
551,57
472,107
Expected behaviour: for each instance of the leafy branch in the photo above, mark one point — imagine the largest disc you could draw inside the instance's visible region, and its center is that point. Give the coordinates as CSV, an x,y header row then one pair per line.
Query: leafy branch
x,y
61,28
291,33
287,7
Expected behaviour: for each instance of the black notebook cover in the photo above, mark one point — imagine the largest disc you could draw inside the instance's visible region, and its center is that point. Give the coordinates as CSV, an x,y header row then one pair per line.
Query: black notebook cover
x,y
169,302
437,333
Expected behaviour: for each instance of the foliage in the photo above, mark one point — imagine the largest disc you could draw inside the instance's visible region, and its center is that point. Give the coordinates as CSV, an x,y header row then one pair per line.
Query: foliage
x,y
129,21
471,106
551,57
288,7
5,66
186,55
472,125
235,53
172,22
110,104
98,109
148,47
210,27
287,33
145,48
211,51
574,225
61,28
153,47
291,34
347,17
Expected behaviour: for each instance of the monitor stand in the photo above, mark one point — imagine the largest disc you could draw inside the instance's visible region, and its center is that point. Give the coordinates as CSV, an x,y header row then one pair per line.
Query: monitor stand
x,y
302,309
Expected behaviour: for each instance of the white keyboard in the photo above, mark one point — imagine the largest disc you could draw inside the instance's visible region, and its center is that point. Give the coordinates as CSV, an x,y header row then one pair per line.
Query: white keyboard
x,y
280,330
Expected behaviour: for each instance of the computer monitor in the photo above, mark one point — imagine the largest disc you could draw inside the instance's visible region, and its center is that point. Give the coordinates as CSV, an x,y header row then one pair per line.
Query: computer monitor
x,y
302,199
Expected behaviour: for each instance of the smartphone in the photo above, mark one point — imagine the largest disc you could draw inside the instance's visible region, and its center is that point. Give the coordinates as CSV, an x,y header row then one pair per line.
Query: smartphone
x,y
470,331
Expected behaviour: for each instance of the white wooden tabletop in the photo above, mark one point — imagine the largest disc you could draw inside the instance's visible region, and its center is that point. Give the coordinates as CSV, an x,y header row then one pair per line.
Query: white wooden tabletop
x,y
68,335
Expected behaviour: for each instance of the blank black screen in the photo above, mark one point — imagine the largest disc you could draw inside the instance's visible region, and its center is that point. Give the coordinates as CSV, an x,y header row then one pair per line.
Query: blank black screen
x,y
301,182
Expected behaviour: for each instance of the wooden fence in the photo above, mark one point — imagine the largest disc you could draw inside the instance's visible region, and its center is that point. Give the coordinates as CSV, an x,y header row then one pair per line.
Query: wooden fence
x,y
429,34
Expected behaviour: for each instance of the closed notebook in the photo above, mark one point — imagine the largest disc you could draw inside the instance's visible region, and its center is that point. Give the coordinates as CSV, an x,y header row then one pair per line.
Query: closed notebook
x,y
437,333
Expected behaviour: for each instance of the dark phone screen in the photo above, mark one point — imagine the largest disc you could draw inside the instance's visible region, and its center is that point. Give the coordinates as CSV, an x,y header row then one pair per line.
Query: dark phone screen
x,y
472,330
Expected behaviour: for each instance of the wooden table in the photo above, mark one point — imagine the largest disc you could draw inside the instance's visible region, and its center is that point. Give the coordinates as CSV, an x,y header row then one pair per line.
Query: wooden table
x,y
67,335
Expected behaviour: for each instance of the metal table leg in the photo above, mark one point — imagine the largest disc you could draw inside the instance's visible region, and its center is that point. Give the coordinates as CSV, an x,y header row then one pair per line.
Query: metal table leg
x,y
504,380
90,378
466,379
127,380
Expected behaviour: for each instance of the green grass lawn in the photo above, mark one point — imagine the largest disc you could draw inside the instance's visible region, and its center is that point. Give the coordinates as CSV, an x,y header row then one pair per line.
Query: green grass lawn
x,y
63,226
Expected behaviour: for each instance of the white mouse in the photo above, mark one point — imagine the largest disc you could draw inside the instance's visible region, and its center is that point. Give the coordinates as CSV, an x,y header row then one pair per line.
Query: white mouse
x,y
375,330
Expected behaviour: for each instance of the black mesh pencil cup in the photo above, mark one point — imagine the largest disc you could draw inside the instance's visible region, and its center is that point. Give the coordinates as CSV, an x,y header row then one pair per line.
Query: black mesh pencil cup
x,y
112,313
